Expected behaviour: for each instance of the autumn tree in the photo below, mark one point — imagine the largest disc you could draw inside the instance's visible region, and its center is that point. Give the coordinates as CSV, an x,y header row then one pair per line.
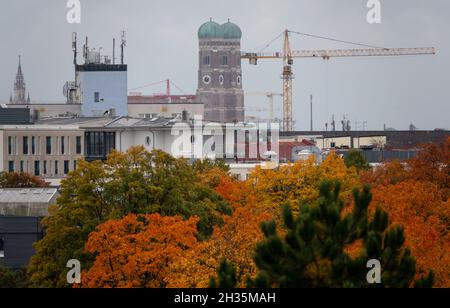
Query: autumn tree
x,y
10,279
136,182
313,252
300,182
136,251
235,241
21,180
415,193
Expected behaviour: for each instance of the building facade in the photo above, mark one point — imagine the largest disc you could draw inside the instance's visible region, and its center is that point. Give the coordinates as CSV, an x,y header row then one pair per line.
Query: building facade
x,y
220,72
47,151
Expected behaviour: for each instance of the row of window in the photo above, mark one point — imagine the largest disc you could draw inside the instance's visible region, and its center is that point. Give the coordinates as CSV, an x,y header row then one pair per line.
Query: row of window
x,y
223,60
46,166
35,142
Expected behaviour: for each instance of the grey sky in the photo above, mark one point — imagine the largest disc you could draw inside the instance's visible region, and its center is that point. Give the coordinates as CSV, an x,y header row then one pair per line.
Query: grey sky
x,y
162,43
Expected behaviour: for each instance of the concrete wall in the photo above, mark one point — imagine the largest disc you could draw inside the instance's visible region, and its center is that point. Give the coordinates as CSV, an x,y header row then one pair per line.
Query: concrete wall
x,y
164,110
112,89
51,110
19,235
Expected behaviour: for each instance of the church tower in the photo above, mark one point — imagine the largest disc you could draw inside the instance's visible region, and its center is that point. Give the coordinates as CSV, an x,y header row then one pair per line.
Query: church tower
x,y
20,88
220,74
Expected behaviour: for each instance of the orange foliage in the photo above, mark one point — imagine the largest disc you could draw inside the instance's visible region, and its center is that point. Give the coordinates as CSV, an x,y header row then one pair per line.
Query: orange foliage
x,y
235,241
137,251
418,207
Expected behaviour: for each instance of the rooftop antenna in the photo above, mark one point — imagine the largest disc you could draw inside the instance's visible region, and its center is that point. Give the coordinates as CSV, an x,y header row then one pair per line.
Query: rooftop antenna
x,y
122,45
114,51
86,50
312,124
74,47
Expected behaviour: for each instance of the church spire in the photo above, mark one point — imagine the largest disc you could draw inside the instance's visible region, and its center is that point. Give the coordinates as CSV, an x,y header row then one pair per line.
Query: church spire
x,y
19,85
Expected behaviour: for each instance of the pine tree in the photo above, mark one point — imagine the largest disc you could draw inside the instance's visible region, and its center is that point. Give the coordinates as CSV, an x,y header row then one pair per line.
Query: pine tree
x,y
314,252
226,277
356,159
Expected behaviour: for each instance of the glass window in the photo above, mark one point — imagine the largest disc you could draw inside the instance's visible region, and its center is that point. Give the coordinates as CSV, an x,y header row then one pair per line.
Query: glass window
x,y
66,167
97,97
33,145
63,150
224,60
56,167
25,145
22,165
11,166
10,146
206,60
45,167
74,165
37,168
48,142
78,144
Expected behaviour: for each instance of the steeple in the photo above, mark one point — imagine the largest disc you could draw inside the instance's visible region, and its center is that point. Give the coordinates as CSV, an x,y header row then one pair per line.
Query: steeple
x,y
19,86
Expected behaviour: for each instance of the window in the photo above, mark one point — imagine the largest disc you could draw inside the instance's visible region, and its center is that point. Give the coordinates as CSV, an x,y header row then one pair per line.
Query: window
x,y
2,247
97,97
22,164
45,167
62,145
10,146
224,60
56,167
74,165
66,167
11,166
48,143
33,145
37,168
206,60
25,145
78,144
221,79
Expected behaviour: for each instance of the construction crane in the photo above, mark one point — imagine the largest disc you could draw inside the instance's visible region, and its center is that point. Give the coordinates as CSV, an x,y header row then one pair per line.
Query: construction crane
x,y
271,97
289,55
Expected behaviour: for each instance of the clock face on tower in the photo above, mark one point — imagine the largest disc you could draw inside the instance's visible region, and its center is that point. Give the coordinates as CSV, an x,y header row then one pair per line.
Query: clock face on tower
x,y
206,79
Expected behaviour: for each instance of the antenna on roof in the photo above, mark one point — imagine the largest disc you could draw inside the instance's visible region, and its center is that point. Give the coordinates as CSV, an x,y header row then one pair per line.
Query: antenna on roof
x,y
114,51
74,47
122,45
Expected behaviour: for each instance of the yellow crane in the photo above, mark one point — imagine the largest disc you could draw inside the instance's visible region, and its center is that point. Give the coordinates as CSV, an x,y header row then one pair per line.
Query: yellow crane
x,y
289,55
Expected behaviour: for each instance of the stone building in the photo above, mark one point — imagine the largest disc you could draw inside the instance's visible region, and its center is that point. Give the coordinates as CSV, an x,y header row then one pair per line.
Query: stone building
x,y
220,74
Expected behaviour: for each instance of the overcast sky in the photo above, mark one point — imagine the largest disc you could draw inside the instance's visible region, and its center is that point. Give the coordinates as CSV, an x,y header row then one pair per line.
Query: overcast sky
x,y
162,43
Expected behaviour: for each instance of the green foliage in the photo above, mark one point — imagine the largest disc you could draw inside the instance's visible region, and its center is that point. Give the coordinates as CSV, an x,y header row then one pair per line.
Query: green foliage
x,y
356,159
136,182
208,164
226,276
10,279
314,250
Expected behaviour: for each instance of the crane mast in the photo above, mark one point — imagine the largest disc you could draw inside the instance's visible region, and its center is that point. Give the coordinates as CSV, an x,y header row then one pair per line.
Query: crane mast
x,y
288,56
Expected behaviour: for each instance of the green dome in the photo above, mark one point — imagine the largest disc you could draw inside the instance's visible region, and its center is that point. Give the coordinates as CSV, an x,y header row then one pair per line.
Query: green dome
x,y
231,31
210,30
